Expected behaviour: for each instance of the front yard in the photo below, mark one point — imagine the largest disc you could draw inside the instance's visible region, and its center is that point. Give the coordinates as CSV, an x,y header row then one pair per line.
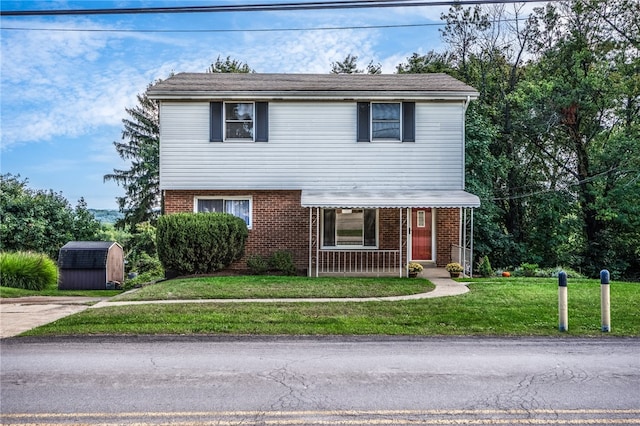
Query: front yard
x,y
495,306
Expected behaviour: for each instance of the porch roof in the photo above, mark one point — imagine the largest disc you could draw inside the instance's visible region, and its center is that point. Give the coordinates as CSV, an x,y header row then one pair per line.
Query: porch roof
x,y
389,199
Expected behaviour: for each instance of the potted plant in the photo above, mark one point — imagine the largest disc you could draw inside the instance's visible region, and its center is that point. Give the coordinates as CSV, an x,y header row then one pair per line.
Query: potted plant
x,y
454,269
414,269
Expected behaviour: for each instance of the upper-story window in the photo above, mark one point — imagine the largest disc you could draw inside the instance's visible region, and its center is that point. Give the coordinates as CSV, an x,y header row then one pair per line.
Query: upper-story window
x,y
239,122
386,121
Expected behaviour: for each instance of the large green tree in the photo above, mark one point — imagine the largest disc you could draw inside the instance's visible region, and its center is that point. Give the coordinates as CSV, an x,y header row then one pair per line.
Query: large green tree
x,y
140,146
583,103
41,221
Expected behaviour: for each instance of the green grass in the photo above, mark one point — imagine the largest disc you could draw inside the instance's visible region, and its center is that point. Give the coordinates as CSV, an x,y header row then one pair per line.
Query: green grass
x,y
52,290
260,287
499,307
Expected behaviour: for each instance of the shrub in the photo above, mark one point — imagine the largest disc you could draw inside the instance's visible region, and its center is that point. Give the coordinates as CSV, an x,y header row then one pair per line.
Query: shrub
x,y
200,243
529,269
28,271
484,267
282,261
257,264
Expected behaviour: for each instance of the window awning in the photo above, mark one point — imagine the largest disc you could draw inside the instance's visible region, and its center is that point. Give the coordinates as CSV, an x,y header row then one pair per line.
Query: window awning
x,y
389,199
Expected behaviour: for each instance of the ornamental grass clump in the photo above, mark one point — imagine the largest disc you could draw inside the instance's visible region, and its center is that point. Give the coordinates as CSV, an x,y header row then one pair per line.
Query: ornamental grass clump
x,y
28,271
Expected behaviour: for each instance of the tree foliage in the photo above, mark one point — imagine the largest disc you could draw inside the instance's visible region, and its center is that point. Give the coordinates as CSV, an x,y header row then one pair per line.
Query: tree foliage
x,y
553,142
229,65
350,66
40,221
141,147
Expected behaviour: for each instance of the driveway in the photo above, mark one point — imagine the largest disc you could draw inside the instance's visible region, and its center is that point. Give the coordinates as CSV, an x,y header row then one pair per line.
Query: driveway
x,y
18,315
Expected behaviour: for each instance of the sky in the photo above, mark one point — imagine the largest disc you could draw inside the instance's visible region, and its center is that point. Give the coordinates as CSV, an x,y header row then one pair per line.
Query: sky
x,y
66,80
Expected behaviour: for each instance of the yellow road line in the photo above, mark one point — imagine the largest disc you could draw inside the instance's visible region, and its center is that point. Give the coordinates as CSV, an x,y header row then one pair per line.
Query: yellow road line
x,y
374,422
326,413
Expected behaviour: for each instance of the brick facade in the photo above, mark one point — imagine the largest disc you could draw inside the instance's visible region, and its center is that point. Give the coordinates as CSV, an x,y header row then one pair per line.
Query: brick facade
x,y
279,222
448,234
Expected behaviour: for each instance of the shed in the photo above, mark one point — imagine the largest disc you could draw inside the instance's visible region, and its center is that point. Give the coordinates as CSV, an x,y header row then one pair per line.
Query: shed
x,y
90,265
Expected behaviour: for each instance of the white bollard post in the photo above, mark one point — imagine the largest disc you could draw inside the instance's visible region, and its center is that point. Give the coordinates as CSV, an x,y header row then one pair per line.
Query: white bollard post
x,y
605,304
563,311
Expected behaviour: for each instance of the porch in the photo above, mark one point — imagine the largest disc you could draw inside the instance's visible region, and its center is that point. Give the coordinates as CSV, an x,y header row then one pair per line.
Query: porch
x,y
385,243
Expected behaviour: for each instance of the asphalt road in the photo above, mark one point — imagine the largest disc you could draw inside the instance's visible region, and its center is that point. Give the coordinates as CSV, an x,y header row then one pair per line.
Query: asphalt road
x,y
321,381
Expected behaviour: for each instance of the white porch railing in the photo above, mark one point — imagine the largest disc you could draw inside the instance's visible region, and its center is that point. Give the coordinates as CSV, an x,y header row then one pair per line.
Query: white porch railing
x,y
463,257
365,262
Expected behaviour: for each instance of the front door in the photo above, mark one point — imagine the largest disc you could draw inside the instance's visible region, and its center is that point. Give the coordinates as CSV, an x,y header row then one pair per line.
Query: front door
x,y
421,234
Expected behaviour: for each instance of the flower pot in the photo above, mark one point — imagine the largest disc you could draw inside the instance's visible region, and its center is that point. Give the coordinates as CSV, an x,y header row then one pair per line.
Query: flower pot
x,y
413,274
454,274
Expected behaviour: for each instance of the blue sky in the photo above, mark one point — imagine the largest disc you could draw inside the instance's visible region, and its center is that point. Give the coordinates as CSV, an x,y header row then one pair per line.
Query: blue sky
x,y
64,93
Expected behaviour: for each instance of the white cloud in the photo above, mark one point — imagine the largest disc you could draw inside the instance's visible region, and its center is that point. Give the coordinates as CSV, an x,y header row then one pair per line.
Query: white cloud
x,y
63,83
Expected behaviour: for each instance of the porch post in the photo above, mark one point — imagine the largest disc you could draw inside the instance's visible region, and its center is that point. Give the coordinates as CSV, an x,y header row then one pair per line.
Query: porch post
x,y
400,245
309,271
464,240
471,250
317,240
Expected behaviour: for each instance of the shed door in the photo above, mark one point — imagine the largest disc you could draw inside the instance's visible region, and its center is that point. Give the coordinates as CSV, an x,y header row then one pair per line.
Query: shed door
x,y
421,235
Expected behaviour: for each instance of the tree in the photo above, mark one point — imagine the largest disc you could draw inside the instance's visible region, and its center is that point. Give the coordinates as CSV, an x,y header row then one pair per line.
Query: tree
x,y
229,66
141,182
582,101
41,221
350,66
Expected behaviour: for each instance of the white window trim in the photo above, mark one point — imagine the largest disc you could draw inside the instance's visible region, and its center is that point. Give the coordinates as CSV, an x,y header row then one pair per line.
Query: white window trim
x,y
354,247
227,197
224,122
374,140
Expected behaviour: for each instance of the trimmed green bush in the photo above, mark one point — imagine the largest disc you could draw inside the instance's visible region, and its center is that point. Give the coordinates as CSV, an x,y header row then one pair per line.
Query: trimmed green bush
x,y
28,271
282,261
200,243
257,264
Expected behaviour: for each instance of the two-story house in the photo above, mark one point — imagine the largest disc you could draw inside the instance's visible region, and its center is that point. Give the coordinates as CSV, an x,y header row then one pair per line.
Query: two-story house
x,y
351,173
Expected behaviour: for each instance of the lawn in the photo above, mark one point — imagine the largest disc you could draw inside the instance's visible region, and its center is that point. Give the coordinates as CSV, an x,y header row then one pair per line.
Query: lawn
x,y
261,287
499,307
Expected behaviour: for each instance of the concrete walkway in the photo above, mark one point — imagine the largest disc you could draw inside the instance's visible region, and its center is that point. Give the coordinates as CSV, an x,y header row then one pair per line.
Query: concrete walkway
x,y
18,315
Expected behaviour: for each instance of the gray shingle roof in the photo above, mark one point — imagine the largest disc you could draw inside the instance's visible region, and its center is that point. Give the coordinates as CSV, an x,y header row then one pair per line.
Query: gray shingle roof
x,y
314,85
84,254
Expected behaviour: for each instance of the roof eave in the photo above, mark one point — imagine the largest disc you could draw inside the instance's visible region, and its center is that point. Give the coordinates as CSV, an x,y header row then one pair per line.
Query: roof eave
x,y
313,95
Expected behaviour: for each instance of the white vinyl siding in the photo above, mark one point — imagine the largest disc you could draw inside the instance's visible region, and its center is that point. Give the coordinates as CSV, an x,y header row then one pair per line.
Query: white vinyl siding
x,y
312,146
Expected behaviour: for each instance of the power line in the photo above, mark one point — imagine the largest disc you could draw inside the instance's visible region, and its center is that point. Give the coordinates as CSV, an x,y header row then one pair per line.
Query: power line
x,y
351,27
262,7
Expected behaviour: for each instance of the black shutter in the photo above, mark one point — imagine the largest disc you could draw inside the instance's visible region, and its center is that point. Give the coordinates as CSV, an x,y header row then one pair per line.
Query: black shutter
x,y
215,119
363,122
408,122
329,227
262,121
370,227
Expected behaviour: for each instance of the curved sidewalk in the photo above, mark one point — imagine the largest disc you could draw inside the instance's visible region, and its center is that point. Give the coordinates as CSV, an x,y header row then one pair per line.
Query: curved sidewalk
x,y
445,287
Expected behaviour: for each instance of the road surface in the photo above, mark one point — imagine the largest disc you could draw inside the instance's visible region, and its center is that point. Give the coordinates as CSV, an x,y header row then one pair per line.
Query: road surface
x,y
319,381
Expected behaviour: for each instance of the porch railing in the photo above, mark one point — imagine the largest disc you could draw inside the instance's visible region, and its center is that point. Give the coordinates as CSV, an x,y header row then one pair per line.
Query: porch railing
x,y
365,262
463,257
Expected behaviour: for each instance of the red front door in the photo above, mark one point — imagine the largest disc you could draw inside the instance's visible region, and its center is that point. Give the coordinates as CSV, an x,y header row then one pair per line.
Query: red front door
x,y
421,234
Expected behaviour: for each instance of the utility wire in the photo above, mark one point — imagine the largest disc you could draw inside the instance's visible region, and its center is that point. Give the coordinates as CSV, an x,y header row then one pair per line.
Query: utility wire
x,y
262,7
230,30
